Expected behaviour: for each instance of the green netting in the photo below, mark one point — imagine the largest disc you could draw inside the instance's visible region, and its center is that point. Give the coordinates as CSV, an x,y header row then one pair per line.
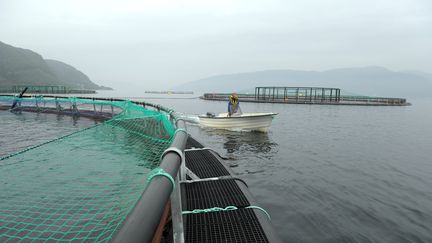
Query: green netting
x,y
81,186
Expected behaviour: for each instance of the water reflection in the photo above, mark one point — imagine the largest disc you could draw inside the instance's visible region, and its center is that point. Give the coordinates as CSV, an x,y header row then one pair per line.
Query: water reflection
x,y
75,120
249,142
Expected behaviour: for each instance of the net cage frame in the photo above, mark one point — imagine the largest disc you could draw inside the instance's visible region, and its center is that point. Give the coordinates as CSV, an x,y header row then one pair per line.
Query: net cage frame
x,y
149,206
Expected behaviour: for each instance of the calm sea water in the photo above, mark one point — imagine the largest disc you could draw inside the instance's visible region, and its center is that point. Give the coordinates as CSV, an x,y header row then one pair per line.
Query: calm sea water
x,y
22,130
324,173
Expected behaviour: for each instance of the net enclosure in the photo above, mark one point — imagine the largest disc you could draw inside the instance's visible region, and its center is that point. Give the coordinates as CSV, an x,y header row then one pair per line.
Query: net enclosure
x,y
82,186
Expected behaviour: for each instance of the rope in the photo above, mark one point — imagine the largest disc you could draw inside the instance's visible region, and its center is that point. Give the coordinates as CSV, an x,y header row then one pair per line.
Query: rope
x,y
218,209
209,210
260,208
161,172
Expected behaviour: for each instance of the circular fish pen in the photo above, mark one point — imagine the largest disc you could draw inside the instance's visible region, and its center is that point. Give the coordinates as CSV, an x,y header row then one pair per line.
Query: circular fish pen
x,y
307,95
87,185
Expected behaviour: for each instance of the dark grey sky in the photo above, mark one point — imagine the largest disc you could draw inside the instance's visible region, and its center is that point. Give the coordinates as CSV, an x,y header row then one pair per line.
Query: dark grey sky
x,y
158,44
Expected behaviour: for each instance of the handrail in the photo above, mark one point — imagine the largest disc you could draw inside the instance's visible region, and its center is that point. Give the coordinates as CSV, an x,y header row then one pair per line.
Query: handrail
x,y
141,224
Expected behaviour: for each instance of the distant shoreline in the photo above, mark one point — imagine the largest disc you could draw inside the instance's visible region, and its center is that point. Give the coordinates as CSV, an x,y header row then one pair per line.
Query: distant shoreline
x,y
169,92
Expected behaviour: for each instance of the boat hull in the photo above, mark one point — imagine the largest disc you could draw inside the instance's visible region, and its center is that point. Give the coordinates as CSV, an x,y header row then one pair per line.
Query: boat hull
x,y
246,122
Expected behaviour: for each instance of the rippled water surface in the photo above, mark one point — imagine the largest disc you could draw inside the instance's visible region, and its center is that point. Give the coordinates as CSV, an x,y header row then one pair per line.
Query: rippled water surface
x,y
324,173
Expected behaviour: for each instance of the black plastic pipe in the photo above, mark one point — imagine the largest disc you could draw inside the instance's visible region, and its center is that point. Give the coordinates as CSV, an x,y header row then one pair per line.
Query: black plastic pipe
x,y
19,97
142,222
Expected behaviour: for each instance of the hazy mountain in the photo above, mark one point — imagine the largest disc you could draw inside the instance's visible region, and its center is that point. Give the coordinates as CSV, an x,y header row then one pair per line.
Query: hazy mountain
x,y
373,81
428,76
71,75
24,67
21,66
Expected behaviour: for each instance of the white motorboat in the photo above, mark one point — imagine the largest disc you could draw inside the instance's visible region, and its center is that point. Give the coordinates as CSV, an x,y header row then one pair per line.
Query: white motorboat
x,y
246,121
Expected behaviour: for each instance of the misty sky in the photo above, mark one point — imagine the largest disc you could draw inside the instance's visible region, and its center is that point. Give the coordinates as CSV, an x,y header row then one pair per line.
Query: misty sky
x,y
158,44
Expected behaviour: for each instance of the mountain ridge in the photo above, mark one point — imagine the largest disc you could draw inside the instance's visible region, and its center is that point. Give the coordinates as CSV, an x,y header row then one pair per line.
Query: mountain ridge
x,y
20,66
368,80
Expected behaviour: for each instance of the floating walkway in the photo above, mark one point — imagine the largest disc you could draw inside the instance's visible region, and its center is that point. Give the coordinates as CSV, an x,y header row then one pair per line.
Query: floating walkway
x,y
216,205
307,95
136,177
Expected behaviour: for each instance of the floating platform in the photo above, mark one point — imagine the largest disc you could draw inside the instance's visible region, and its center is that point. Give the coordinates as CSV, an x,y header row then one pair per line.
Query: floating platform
x,y
216,205
223,210
307,95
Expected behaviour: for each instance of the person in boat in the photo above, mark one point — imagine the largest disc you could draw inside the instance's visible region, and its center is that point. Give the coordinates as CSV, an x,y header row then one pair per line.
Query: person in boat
x,y
234,106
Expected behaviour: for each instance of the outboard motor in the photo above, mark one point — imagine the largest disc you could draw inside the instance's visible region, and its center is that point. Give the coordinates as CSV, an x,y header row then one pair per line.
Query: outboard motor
x,y
210,114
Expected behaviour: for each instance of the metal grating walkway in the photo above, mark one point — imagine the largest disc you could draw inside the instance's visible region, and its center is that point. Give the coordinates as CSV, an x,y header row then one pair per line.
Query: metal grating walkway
x,y
208,194
204,164
230,226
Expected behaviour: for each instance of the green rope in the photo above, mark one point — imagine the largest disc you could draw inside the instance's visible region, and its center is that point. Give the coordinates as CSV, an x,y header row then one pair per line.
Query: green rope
x,y
209,210
218,209
161,172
